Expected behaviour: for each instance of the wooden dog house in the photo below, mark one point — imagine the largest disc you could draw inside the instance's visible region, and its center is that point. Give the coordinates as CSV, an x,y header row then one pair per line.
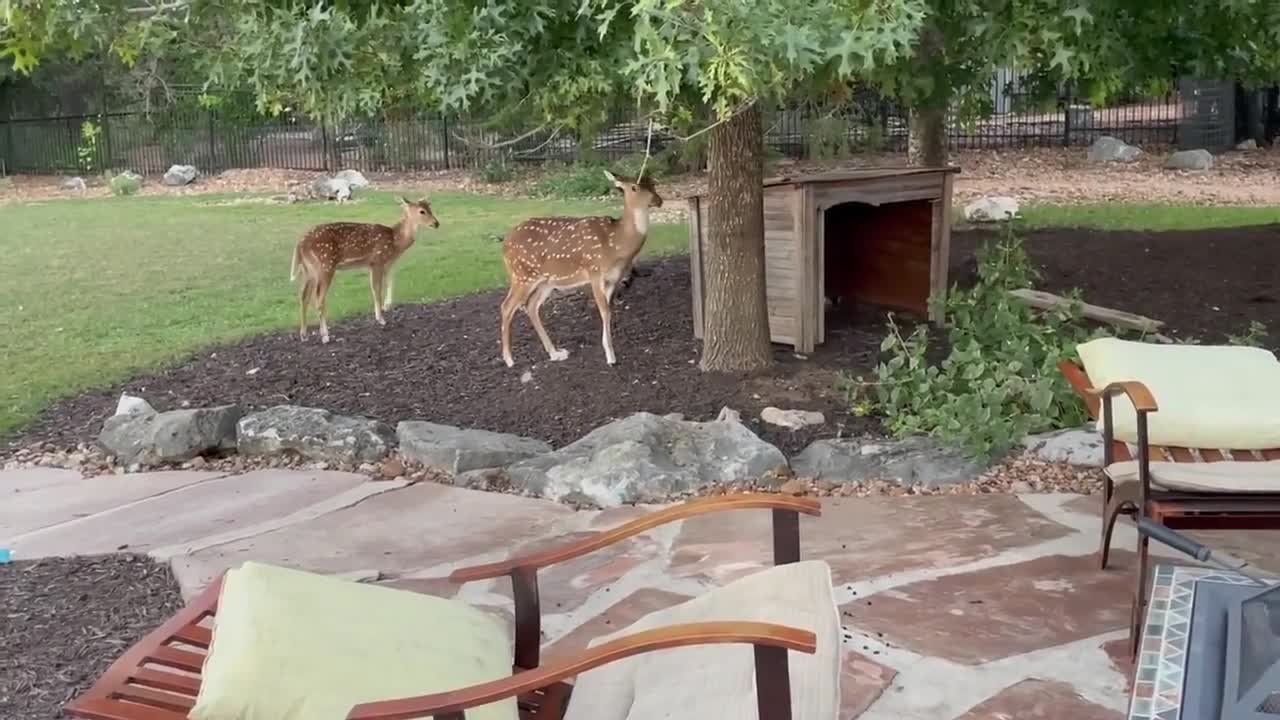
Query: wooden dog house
x,y
877,235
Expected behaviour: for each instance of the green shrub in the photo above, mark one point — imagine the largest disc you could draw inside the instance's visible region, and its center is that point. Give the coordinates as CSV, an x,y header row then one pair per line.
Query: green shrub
x,y
497,170
827,138
125,185
999,380
1255,336
580,180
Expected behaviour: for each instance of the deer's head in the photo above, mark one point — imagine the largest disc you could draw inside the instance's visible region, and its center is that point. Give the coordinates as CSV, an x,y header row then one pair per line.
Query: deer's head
x,y
418,213
639,194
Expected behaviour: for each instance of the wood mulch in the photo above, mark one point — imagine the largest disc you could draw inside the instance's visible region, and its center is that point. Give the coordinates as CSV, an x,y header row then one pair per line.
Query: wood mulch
x,y
63,621
441,362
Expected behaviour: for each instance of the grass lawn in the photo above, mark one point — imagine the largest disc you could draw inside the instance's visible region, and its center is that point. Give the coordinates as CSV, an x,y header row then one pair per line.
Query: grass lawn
x,y
95,289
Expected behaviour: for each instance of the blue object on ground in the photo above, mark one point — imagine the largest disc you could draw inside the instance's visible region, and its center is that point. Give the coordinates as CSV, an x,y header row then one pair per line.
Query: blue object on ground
x,y
5,556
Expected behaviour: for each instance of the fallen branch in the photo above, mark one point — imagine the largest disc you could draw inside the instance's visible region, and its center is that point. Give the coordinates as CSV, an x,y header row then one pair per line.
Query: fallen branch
x,y
1049,301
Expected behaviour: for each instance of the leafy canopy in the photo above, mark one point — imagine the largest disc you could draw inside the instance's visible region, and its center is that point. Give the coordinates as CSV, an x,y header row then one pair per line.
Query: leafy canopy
x,y
562,60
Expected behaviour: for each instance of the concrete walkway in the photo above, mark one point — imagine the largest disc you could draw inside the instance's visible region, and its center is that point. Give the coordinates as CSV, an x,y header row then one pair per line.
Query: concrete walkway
x,y
968,607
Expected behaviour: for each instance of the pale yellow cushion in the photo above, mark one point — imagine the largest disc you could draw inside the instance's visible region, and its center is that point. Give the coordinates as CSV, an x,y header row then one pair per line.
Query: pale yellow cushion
x,y
1205,477
1208,396
718,681
291,645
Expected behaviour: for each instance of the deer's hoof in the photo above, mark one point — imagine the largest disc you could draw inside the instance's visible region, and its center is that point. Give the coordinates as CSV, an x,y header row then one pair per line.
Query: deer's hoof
x,y
324,339
509,362
558,355
382,322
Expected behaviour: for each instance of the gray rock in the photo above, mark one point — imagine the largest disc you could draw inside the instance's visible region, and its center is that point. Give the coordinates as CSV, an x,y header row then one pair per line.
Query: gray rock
x,y
1190,160
1108,149
315,435
1077,446
991,209
74,184
180,175
353,178
331,189
910,461
146,436
458,450
131,175
647,458
1247,144
131,404
792,419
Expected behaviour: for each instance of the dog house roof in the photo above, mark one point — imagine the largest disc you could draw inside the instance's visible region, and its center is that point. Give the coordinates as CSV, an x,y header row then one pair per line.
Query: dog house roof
x,y
834,176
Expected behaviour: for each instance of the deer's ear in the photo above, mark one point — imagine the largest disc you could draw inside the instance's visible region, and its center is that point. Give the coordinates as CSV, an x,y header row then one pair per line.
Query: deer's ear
x,y
616,182
403,200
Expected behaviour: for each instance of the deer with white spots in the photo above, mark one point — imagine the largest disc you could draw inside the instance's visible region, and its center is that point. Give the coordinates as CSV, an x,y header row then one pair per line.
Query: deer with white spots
x,y
546,254
327,248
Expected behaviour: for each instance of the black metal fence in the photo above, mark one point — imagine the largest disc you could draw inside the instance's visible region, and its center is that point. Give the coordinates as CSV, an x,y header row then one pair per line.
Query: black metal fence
x,y
184,132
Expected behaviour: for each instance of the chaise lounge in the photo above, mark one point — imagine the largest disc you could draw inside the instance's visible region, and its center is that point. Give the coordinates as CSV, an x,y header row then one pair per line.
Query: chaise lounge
x,y
1206,457
268,642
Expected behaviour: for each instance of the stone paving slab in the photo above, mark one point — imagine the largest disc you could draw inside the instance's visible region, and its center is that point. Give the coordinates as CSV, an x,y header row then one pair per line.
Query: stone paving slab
x,y
413,529
36,498
1036,699
188,513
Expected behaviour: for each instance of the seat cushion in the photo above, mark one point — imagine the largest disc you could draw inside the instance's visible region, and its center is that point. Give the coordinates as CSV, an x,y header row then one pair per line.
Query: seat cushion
x,y
291,645
718,681
1202,477
1217,397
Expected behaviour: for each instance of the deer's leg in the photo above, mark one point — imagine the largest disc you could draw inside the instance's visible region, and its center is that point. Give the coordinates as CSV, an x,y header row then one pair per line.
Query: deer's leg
x,y
322,295
387,280
601,294
375,288
516,298
304,299
533,308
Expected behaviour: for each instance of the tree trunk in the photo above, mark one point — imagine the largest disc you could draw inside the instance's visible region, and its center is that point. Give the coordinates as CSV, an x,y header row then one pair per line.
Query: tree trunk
x,y
927,138
735,315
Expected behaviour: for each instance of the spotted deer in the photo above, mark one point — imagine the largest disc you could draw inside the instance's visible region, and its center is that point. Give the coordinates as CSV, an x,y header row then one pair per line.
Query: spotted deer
x,y
327,248
546,254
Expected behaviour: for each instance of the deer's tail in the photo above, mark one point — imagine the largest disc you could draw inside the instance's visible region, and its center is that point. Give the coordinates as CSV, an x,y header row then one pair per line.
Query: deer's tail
x,y
297,260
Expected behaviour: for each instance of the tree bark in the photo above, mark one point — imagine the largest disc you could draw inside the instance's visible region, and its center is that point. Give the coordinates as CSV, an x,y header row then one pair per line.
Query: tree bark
x,y
927,137
736,315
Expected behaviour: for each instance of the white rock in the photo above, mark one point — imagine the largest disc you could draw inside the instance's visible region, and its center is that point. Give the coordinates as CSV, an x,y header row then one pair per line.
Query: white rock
x,y
1076,446
353,178
728,414
1247,144
1190,160
132,405
991,209
180,175
74,184
1108,149
792,419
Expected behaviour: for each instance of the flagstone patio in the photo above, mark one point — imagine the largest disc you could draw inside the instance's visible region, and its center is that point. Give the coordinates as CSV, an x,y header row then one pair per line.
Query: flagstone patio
x,y
987,606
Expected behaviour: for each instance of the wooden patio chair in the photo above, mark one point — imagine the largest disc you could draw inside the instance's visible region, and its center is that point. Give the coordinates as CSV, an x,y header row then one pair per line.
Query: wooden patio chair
x,y
1178,486
160,677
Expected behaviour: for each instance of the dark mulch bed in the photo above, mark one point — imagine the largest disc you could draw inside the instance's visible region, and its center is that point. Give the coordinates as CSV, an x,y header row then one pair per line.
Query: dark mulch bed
x,y
1205,284
63,621
441,362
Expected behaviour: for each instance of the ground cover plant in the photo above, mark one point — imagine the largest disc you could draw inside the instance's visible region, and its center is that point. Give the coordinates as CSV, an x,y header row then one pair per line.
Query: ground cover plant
x,y
97,289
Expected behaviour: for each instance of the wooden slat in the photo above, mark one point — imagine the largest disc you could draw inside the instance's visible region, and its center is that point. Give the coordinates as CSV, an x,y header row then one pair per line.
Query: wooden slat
x,y
1119,318
174,658
1121,451
196,635
1212,456
1181,454
809,284
108,709
1244,456
157,698
170,681
1273,454
820,276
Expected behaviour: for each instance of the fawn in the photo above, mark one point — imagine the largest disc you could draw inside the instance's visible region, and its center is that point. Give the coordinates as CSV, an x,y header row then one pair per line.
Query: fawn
x,y
327,248
546,254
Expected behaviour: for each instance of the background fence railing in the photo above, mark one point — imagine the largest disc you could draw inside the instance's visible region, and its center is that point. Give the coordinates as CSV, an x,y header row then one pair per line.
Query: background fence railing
x,y
213,140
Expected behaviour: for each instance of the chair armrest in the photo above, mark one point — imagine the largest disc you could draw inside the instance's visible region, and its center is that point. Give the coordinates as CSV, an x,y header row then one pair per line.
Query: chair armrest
x,y
692,508
1138,394
761,635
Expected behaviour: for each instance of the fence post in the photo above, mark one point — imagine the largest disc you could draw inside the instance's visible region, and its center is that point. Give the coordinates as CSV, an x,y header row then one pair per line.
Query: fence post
x,y
1066,117
108,162
324,145
213,146
444,136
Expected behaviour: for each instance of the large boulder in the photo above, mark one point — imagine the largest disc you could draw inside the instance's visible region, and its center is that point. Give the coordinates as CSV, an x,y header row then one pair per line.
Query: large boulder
x,y
1076,446
74,184
180,175
1190,160
647,458
142,435
353,178
1107,149
314,434
991,209
331,189
458,450
914,461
